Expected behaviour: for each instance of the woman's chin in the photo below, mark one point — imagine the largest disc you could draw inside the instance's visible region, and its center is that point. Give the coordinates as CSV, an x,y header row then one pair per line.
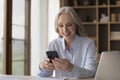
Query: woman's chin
x,y
66,37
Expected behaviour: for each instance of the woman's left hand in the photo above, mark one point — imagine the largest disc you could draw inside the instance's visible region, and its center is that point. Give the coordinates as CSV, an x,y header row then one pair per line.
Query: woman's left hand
x,y
62,64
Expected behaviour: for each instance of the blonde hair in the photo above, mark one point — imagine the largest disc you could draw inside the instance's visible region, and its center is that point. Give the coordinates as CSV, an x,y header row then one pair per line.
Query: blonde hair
x,y
80,30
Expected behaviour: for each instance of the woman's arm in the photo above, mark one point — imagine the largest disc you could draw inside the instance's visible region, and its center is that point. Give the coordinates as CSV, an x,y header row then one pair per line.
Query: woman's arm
x,y
90,62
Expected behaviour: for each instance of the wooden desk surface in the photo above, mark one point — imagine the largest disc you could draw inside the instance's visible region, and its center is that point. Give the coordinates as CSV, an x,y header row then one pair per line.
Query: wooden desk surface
x,y
14,77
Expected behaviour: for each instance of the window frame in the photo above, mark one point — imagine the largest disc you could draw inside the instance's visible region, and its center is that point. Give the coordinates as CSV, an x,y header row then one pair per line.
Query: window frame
x,y
7,39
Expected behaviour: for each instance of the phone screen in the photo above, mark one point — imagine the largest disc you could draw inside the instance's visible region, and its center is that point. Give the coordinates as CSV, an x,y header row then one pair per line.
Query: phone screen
x,y
51,55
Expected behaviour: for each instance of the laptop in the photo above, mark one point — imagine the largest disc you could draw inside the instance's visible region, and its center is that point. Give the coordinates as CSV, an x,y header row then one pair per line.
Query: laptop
x,y
109,66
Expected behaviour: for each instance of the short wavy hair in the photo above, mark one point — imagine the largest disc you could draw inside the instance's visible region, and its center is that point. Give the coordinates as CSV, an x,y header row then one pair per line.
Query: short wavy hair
x,y
80,30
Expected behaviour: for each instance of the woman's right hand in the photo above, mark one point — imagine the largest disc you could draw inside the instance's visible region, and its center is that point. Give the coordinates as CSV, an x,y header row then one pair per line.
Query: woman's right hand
x,y
47,65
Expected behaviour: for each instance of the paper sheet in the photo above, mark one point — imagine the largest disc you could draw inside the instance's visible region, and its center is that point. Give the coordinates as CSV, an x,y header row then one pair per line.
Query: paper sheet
x,y
12,77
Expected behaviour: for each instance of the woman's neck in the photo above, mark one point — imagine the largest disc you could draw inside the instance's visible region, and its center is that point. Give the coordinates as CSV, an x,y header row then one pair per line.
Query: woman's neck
x,y
68,43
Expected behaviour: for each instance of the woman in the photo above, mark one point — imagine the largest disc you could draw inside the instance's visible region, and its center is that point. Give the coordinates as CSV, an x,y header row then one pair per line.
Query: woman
x,y
77,53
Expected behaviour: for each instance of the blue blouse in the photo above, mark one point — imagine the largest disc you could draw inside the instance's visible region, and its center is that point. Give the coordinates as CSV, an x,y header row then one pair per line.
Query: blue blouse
x,y
82,55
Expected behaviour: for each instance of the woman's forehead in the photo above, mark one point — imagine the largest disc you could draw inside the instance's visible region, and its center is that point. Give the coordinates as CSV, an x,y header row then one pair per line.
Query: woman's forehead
x,y
65,17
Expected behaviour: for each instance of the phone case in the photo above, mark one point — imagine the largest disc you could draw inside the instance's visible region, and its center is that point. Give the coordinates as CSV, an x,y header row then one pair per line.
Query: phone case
x,y
51,55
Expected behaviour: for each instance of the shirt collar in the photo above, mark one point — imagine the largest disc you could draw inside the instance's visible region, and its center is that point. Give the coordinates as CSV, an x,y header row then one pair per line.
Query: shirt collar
x,y
74,44
63,43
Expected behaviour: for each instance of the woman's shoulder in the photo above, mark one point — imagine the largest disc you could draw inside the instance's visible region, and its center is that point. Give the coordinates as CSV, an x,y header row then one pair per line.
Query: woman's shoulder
x,y
56,41
85,38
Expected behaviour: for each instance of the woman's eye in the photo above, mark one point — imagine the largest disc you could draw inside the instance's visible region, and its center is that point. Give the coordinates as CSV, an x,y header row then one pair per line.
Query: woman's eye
x,y
60,25
69,24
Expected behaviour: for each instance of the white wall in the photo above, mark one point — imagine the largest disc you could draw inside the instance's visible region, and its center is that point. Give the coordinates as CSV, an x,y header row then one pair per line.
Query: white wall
x,y
1,18
42,30
53,9
38,33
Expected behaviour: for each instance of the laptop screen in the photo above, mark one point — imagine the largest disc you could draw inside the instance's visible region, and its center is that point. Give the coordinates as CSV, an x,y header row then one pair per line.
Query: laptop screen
x,y
109,66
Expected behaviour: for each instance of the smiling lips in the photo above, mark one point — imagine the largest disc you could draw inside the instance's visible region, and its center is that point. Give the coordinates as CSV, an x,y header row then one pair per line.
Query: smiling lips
x,y
66,34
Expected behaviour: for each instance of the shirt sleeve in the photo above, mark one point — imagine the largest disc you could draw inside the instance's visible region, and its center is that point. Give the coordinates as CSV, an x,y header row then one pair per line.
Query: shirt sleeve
x,y
80,72
90,64
46,73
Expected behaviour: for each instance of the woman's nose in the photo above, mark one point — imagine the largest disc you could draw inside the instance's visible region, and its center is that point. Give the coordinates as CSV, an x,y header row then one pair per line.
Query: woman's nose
x,y
65,29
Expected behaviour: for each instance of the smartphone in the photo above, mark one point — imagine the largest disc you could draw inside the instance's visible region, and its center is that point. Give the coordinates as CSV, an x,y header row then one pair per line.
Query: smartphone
x,y
51,55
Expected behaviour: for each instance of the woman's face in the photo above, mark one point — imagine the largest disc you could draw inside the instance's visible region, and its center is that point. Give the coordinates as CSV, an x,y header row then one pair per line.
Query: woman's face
x,y
66,26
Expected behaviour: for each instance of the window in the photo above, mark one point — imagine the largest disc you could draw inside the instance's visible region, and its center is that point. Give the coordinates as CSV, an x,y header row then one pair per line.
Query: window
x,y
16,41
17,58
18,36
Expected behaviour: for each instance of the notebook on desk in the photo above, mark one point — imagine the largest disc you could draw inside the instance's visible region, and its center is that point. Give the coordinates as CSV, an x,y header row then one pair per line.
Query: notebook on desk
x,y
109,66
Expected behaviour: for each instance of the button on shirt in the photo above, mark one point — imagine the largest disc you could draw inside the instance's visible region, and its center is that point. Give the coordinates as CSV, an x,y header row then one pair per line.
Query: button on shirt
x,y
82,55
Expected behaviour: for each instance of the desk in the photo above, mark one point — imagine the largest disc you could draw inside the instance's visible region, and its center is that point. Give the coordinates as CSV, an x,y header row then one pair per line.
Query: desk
x,y
13,77
80,79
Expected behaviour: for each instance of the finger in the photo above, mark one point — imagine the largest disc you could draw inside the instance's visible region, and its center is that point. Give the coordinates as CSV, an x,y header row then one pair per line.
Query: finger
x,y
47,59
58,65
59,60
49,66
62,64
